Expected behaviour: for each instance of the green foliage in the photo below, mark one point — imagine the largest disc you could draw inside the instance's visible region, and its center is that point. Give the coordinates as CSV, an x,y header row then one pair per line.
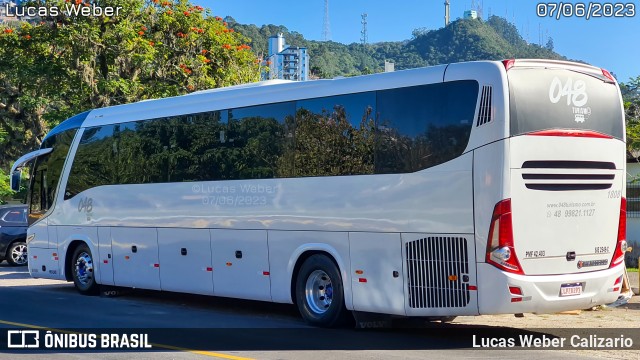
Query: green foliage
x,y
462,40
65,65
472,39
5,188
549,45
507,31
631,97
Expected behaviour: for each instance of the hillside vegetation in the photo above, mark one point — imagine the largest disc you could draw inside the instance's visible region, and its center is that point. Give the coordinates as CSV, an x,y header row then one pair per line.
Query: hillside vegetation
x,y
462,40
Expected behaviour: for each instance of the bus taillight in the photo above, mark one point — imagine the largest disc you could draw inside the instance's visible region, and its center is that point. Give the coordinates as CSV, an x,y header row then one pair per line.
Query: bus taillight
x,y
500,249
621,245
608,75
508,63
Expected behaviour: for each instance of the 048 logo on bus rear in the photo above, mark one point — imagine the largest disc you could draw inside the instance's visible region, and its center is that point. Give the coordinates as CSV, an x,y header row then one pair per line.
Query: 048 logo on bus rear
x,y
575,93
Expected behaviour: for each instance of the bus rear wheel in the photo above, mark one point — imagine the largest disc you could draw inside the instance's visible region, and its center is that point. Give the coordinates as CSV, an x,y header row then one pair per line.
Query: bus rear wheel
x,y
82,269
320,294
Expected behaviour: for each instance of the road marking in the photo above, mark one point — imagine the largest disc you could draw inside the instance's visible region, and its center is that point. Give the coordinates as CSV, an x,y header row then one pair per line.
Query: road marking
x,y
162,346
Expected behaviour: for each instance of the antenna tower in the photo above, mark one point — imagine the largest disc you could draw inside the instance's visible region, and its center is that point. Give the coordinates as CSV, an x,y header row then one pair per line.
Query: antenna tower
x,y
539,34
364,36
326,27
480,9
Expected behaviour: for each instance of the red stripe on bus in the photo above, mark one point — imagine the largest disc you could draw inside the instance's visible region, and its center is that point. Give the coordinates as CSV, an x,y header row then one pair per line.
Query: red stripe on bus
x,y
571,133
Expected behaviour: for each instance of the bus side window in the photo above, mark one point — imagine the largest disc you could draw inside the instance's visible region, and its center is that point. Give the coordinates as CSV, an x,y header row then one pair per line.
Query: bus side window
x,y
423,126
335,135
260,139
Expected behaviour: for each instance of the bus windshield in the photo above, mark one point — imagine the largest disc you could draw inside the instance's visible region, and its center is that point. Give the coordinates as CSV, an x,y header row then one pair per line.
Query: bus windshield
x,y
46,173
544,99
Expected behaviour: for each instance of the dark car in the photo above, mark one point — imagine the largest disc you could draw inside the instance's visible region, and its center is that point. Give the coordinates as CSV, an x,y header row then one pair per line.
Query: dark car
x,y
13,233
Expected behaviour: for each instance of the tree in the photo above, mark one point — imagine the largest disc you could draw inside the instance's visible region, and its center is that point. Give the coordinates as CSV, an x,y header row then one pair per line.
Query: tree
x,y
5,189
416,33
549,45
631,97
65,64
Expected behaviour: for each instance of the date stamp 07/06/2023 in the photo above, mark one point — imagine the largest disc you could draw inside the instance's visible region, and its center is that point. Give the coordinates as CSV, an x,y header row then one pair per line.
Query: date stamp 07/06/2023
x,y
586,10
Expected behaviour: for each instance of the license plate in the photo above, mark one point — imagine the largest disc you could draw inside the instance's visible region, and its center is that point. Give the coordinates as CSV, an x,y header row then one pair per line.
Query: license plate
x,y
571,289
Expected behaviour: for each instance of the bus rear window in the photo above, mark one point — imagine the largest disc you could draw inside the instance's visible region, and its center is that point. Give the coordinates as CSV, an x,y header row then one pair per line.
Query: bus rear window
x,y
544,99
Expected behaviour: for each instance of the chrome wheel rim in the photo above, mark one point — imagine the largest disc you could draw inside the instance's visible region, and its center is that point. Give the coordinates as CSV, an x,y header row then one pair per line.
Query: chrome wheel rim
x,y
84,269
319,291
19,254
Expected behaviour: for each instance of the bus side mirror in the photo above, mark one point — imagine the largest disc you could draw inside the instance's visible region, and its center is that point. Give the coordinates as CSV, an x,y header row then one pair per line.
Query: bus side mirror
x,y
15,180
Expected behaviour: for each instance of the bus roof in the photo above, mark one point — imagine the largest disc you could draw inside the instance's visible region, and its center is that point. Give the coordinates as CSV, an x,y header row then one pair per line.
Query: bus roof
x,y
274,91
271,91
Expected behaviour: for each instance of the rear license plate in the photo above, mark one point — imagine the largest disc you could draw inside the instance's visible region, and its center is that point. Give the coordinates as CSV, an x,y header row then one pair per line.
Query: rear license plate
x,y
571,289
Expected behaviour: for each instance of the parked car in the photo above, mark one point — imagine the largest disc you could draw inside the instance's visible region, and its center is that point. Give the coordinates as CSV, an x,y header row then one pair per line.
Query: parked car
x,y
13,233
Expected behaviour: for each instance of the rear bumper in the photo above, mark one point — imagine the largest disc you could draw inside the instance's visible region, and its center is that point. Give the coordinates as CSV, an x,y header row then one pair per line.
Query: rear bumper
x,y
541,293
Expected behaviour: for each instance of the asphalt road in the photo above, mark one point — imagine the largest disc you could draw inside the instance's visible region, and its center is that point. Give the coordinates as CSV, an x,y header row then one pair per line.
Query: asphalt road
x,y
232,329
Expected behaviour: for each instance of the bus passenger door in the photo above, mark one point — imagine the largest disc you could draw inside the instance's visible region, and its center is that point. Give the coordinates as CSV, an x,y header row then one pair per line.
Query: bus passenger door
x,y
43,251
105,256
135,257
241,264
39,253
376,272
185,260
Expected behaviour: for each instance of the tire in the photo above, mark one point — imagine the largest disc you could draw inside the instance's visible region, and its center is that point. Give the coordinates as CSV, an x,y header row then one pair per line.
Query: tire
x,y
320,294
17,254
82,271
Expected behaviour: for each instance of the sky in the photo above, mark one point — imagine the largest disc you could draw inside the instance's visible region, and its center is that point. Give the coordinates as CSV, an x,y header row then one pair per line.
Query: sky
x,y
611,43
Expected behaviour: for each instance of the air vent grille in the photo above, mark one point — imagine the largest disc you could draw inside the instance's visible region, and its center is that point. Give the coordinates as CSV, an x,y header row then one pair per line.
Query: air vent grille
x,y
437,272
567,175
485,114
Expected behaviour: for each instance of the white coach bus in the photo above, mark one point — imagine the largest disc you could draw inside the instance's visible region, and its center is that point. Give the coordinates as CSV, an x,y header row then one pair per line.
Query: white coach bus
x,y
461,189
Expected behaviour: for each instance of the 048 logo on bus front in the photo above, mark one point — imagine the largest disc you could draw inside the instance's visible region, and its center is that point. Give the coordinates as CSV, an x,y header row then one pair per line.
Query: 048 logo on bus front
x,y
85,205
575,93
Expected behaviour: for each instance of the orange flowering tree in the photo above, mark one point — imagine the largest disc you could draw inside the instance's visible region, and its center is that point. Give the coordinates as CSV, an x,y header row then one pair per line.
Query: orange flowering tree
x,y
61,65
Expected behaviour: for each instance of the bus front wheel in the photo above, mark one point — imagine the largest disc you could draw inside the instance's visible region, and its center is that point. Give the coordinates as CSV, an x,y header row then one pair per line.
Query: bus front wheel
x,y
82,269
320,294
